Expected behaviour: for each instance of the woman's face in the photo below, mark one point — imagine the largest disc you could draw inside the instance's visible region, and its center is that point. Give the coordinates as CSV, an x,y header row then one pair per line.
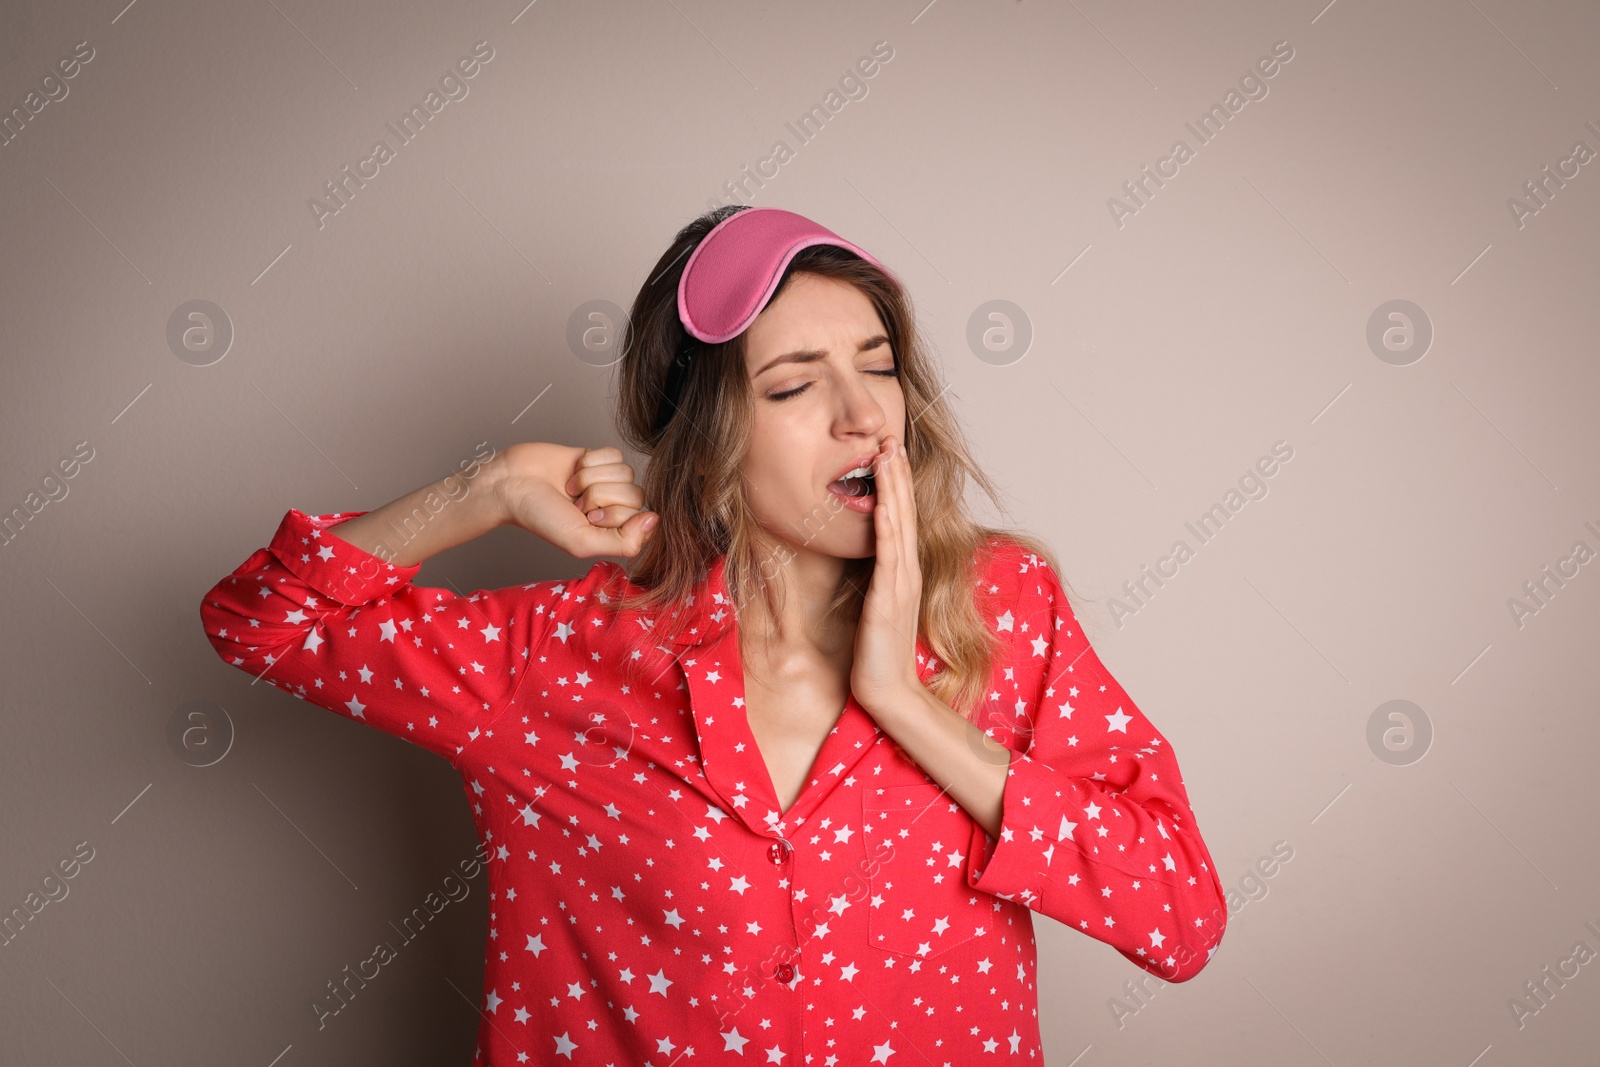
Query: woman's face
x,y
826,394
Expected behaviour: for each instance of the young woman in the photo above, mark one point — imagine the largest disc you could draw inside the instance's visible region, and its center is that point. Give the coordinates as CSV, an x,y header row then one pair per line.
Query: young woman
x,y
791,790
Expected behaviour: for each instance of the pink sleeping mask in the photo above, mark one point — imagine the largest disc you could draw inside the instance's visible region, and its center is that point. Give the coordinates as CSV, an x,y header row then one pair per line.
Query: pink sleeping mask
x,y
734,269
730,277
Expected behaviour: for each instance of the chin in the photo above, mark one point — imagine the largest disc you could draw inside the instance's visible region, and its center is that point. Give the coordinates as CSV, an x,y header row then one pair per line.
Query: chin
x,y
831,543
842,534
846,547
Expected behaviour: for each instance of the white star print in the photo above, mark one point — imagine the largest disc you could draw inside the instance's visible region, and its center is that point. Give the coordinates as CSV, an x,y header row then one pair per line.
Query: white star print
x,y
607,854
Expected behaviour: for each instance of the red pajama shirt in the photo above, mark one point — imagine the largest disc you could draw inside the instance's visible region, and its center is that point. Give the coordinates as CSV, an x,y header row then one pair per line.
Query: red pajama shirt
x,y
649,903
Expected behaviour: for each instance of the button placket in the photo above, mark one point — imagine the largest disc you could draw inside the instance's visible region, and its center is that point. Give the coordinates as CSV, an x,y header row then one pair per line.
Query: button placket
x,y
779,853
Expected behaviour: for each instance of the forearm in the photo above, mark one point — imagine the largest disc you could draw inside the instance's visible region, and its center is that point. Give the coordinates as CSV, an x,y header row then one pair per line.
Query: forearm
x,y
960,757
445,513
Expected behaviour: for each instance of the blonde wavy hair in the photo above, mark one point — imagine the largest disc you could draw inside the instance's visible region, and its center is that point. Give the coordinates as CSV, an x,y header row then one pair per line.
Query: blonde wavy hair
x,y
693,479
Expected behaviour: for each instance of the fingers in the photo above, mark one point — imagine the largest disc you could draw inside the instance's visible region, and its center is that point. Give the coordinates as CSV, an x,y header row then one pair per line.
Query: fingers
x,y
603,488
611,495
639,529
612,517
890,511
626,540
596,456
897,528
905,499
883,512
595,475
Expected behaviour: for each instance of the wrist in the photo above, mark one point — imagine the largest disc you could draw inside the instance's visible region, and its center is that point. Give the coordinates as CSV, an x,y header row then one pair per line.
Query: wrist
x,y
904,704
496,478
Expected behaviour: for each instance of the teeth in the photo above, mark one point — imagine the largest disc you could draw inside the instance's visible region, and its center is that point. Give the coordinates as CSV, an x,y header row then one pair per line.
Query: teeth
x,y
859,472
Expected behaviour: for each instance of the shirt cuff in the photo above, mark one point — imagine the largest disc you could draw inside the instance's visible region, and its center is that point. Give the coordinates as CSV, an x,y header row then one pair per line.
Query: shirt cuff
x,y
1012,866
312,552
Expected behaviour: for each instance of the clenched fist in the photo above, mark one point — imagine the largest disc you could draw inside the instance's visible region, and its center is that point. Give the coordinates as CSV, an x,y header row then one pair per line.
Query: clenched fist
x,y
582,500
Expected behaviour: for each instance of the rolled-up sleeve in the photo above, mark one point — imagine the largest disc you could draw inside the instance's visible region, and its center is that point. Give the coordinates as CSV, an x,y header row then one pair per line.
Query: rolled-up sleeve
x,y
1097,831
335,625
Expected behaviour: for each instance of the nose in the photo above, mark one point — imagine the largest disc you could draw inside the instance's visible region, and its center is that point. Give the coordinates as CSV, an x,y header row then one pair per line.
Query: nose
x,y
859,411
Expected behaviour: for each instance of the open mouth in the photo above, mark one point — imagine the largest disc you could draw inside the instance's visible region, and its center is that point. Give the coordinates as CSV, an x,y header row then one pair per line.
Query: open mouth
x,y
859,482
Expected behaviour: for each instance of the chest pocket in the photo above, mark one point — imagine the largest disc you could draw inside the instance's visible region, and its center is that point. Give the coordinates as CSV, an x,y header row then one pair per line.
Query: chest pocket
x,y
920,905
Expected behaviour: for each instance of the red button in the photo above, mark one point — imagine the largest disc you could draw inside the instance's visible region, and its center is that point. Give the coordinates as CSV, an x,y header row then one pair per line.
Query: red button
x,y
778,852
784,973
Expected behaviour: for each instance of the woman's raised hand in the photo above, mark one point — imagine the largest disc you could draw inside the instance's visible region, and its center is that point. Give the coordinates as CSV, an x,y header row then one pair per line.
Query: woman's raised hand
x,y
582,500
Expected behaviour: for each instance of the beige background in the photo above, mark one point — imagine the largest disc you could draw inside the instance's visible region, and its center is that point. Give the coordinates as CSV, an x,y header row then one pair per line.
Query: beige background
x,y
371,355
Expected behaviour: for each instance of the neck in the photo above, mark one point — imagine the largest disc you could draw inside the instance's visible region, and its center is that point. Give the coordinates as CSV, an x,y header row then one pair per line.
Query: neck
x,y
807,581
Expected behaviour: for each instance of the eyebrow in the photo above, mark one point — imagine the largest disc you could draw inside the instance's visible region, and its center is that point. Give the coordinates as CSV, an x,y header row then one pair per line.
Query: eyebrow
x,y
811,355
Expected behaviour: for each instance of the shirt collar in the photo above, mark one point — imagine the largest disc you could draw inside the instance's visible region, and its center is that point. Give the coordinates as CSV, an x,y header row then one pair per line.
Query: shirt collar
x,y
710,612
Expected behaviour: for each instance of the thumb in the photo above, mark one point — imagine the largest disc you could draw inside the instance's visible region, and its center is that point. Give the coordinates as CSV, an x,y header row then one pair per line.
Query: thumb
x,y
637,530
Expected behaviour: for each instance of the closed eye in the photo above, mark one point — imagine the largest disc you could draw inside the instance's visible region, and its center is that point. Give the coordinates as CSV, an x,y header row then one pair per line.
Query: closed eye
x,y
891,373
